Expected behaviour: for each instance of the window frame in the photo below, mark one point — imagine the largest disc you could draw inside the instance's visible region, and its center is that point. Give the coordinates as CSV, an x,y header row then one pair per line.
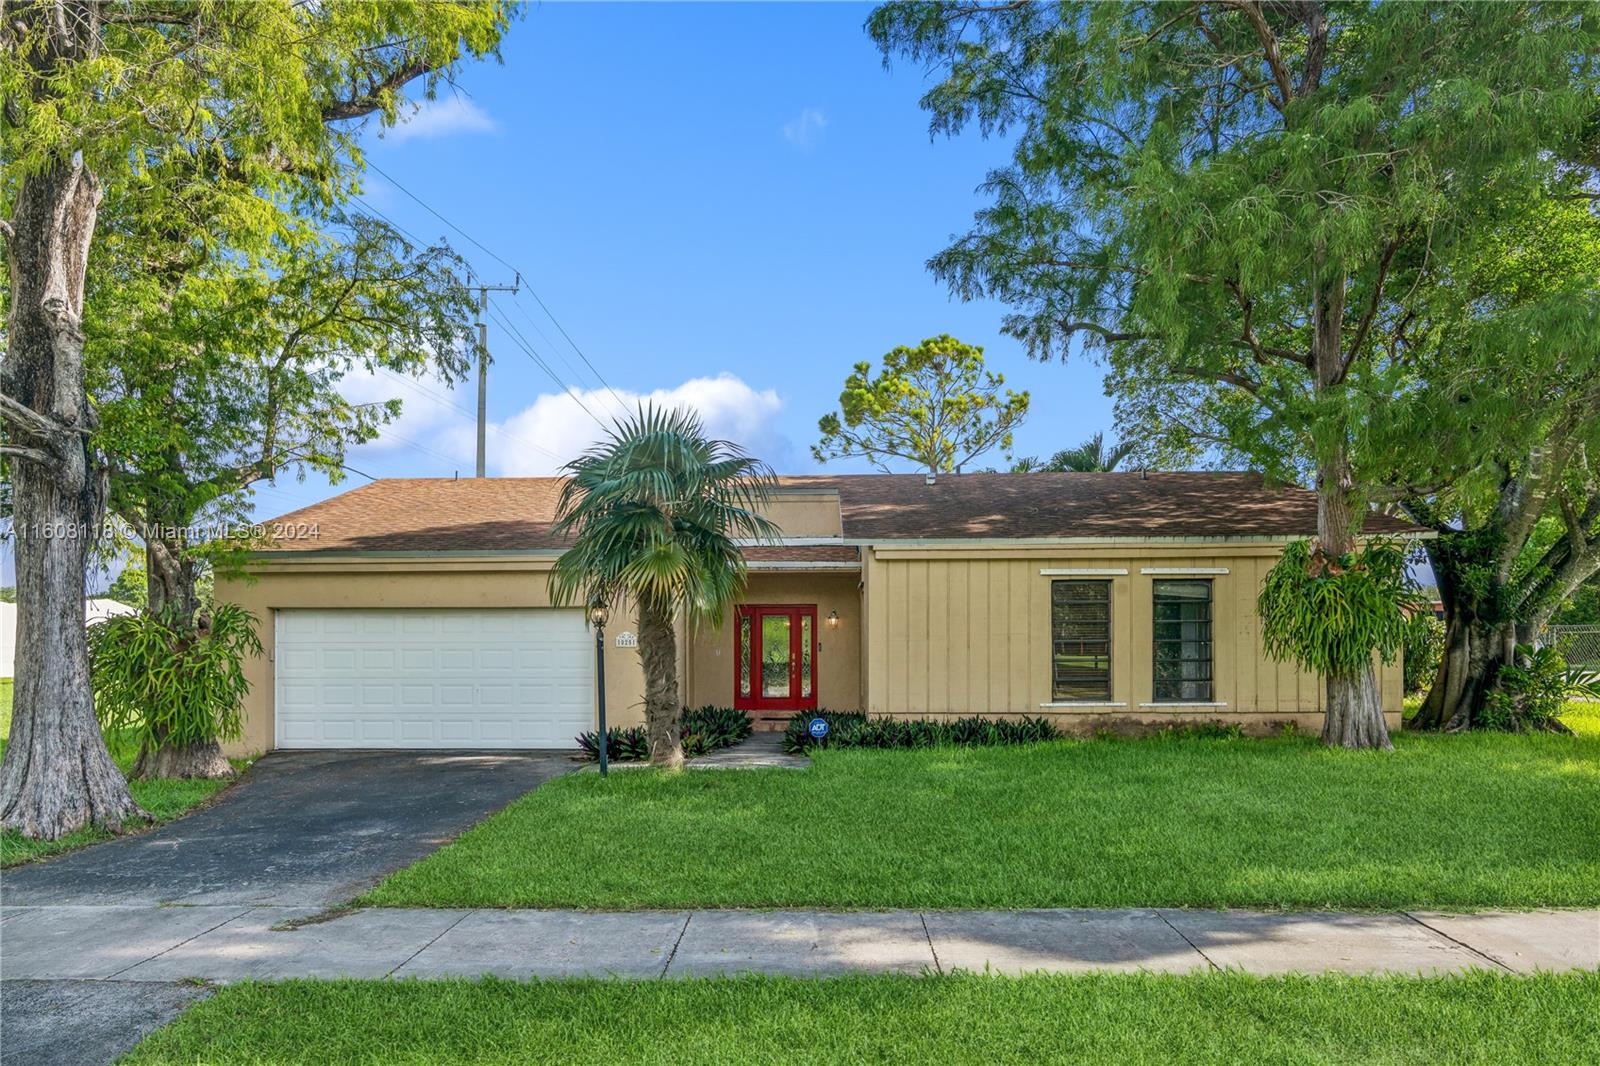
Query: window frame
x,y
1110,652
1156,643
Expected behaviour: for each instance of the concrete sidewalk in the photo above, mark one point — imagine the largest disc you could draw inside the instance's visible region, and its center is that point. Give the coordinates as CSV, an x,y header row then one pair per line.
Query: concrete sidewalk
x,y
228,943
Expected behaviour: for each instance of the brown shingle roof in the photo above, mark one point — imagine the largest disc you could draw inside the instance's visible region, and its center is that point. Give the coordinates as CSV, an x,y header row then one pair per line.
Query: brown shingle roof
x,y
504,514
803,553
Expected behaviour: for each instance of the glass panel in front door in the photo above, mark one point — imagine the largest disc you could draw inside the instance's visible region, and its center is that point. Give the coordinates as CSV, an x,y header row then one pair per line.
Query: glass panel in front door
x,y
775,655
744,656
805,655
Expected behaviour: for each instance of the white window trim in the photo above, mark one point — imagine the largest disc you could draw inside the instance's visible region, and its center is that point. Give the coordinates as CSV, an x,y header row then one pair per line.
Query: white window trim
x,y
1183,570
1083,704
1184,703
1083,571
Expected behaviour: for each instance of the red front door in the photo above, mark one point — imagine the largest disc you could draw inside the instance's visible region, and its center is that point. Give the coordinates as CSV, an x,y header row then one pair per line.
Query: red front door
x,y
775,657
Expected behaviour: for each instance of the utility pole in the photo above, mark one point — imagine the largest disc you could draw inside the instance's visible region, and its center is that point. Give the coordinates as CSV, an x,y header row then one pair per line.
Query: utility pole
x,y
483,364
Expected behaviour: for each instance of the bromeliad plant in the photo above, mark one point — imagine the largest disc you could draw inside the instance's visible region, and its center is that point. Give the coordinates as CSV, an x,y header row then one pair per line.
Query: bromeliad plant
x,y
176,686
1329,613
705,729
655,513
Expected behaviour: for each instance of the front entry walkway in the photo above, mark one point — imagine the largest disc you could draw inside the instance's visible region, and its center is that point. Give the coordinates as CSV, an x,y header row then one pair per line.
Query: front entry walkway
x,y
230,943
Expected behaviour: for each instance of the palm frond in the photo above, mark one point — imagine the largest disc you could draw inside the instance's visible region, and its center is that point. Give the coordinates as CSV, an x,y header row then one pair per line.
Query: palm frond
x,y
655,512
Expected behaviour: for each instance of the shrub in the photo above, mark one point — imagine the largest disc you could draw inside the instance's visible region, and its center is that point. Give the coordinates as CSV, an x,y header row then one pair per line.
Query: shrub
x,y
175,687
1424,644
1531,692
623,744
703,730
709,728
853,729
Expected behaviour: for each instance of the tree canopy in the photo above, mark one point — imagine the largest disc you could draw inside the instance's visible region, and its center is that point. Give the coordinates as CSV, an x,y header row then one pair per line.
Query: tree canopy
x,y
226,122
1094,455
934,405
1231,204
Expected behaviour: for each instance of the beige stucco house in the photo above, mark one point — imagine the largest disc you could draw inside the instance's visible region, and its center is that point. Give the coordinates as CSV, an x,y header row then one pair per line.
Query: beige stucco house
x,y
415,612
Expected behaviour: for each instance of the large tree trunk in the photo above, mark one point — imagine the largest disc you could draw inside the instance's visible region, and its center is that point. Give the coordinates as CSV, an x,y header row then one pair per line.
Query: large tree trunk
x,y
170,578
1353,715
170,583
57,775
658,649
1479,630
1473,654
204,759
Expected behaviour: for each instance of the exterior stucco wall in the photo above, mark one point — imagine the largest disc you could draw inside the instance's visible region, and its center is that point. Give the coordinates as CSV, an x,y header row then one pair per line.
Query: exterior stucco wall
x,y
805,512
418,583
711,651
967,631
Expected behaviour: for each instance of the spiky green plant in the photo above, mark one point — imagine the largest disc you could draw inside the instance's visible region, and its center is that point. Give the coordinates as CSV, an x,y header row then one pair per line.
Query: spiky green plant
x,y
1328,614
655,513
176,684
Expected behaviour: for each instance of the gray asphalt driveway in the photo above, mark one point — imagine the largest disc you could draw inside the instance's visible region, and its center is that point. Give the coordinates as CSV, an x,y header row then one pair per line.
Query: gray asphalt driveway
x,y
301,828
306,829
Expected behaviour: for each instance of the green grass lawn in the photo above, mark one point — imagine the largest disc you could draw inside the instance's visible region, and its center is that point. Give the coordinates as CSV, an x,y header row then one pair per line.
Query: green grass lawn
x,y
1583,718
1461,822
1120,1019
165,800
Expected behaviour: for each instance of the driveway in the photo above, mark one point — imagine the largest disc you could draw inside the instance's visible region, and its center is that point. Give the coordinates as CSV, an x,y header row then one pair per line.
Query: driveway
x,y
301,829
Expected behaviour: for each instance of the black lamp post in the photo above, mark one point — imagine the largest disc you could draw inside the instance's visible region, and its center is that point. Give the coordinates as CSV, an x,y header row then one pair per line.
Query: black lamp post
x,y
597,618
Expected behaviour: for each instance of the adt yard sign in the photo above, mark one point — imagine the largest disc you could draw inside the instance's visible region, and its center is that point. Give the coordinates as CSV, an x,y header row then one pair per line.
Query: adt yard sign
x,y
818,727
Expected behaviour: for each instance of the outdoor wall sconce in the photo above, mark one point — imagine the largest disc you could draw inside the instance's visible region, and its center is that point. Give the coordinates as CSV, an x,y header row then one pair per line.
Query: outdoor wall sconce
x,y
833,619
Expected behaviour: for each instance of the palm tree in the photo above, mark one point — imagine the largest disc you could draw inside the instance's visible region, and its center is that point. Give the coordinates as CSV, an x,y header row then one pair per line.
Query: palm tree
x,y
654,512
1087,458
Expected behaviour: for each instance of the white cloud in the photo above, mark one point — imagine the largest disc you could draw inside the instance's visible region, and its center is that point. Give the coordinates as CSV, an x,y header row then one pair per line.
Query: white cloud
x,y
556,425
443,118
805,129
555,428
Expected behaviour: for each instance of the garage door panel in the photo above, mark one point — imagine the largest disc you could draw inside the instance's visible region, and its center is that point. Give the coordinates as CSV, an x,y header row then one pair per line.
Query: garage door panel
x,y
420,678
457,660
378,659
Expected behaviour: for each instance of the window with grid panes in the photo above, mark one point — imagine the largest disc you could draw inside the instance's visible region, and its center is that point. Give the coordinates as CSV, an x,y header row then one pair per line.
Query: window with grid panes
x,y
1080,640
1183,642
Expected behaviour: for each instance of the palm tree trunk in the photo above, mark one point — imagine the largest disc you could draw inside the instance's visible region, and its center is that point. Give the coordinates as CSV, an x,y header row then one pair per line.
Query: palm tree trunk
x,y
658,650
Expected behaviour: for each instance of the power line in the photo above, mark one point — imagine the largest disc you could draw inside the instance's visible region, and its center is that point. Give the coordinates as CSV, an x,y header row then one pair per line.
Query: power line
x,y
528,350
509,266
622,407
534,293
505,324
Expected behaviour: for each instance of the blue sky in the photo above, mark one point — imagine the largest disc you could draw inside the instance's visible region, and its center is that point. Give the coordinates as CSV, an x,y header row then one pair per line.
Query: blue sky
x,y
696,191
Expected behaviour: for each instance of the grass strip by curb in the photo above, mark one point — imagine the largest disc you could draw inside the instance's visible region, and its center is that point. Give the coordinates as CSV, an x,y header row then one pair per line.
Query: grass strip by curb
x,y
1116,1019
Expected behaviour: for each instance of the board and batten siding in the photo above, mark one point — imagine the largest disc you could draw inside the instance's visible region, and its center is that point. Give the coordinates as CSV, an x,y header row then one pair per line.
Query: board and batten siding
x,y
962,631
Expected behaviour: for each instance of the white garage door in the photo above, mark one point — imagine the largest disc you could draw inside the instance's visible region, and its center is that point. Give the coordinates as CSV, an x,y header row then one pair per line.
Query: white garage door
x,y
433,679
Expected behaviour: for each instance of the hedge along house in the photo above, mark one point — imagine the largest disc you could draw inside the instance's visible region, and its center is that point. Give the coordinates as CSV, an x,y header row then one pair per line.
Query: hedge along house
x,y
415,613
